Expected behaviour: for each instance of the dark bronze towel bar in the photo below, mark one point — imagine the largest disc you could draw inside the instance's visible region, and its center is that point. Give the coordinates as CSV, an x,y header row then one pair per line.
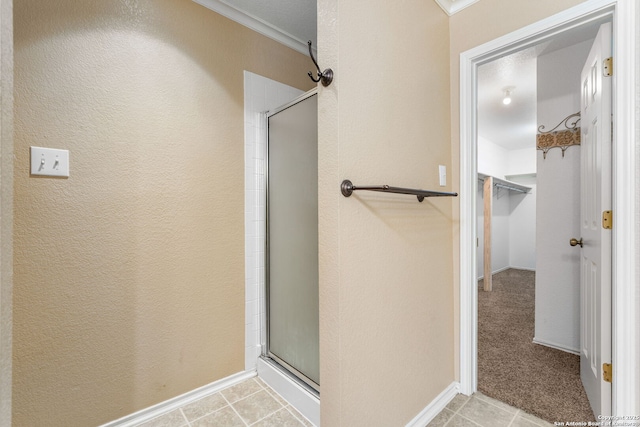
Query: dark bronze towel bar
x,y
347,188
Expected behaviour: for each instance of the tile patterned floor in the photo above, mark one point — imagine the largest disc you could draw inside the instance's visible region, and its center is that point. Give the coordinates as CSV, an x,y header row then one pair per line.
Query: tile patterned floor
x,y
253,403
249,403
483,411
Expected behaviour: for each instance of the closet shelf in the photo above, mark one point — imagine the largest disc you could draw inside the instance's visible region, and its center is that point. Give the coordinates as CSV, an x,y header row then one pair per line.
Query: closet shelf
x,y
520,176
503,183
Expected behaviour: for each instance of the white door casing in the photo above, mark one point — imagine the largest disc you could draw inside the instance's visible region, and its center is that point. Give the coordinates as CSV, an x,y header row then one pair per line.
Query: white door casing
x,y
626,191
595,195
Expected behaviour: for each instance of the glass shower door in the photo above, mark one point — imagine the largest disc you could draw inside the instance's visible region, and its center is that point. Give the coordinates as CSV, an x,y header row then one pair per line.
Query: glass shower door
x,y
292,239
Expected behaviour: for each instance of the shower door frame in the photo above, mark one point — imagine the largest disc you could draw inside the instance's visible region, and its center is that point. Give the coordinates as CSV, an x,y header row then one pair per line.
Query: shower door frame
x,y
266,354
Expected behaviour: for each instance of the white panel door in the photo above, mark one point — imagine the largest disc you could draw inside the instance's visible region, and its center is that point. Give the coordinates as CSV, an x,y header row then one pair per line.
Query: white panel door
x,y
595,193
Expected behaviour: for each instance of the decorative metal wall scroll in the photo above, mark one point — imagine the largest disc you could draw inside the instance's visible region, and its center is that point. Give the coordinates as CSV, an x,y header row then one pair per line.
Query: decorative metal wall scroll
x,y
563,139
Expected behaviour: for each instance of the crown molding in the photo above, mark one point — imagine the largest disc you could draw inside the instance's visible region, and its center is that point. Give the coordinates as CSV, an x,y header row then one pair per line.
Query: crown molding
x,y
453,6
256,24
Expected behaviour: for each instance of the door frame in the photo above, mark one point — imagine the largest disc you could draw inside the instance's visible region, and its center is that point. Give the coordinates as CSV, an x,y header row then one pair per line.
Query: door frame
x,y
625,296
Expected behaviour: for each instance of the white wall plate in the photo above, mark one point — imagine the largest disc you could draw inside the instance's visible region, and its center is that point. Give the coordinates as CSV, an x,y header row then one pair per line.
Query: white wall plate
x,y
49,162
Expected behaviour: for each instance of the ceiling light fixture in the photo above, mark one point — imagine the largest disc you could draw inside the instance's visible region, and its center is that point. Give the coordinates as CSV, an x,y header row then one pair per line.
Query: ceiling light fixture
x,y
507,97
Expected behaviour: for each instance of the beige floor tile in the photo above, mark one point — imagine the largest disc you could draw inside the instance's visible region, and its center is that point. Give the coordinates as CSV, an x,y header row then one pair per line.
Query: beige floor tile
x,y
441,419
485,414
262,383
256,406
225,417
242,390
495,402
282,418
535,419
204,406
276,396
519,421
459,421
484,411
457,402
170,419
305,422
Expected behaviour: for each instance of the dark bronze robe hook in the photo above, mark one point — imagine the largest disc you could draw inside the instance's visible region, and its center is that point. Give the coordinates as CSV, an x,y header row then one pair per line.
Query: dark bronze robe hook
x,y
326,76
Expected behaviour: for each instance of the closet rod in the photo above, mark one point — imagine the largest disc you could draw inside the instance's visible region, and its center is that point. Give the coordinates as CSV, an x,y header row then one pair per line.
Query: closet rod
x,y
497,182
509,187
347,188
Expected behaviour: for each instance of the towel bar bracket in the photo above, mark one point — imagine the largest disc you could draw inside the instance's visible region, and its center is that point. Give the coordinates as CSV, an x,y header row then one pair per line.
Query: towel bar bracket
x,y
346,188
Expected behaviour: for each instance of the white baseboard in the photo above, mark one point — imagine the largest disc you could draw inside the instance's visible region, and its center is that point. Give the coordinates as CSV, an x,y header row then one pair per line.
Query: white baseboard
x,y
435,407
556,346
496,272
178,401
299,397
523,268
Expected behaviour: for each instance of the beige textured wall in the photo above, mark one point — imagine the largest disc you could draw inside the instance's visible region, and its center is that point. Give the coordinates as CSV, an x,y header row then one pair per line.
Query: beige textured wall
x,y
129,275
386,296
6,206
477,24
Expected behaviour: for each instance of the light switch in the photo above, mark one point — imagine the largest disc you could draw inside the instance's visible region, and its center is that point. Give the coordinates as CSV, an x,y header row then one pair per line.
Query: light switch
x,y
49,162
442,173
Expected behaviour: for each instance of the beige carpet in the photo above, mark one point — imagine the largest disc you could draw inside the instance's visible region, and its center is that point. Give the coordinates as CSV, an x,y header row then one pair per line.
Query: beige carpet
x,y
537,379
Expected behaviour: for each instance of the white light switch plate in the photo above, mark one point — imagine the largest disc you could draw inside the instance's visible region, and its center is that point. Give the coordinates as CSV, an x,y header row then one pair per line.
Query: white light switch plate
x,y
49,162
442,173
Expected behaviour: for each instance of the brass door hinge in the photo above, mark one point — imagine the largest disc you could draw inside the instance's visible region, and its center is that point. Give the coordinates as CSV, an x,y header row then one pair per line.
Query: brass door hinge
x,y
607,372
607,220
607,67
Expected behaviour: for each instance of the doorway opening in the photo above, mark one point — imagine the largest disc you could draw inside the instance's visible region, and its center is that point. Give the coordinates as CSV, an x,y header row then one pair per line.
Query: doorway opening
x,y
470,61
528,209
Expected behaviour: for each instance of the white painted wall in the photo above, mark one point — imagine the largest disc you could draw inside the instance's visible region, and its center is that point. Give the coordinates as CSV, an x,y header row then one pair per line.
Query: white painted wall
x,y
522,168
513,225
522,224
500,241
492,158
557,83
522,161
557,317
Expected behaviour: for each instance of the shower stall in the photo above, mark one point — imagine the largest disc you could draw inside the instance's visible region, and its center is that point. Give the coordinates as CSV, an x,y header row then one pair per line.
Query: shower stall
x,y
290,333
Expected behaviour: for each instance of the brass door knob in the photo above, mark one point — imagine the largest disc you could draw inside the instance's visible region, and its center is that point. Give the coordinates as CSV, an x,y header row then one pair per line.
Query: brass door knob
x,y
575,242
